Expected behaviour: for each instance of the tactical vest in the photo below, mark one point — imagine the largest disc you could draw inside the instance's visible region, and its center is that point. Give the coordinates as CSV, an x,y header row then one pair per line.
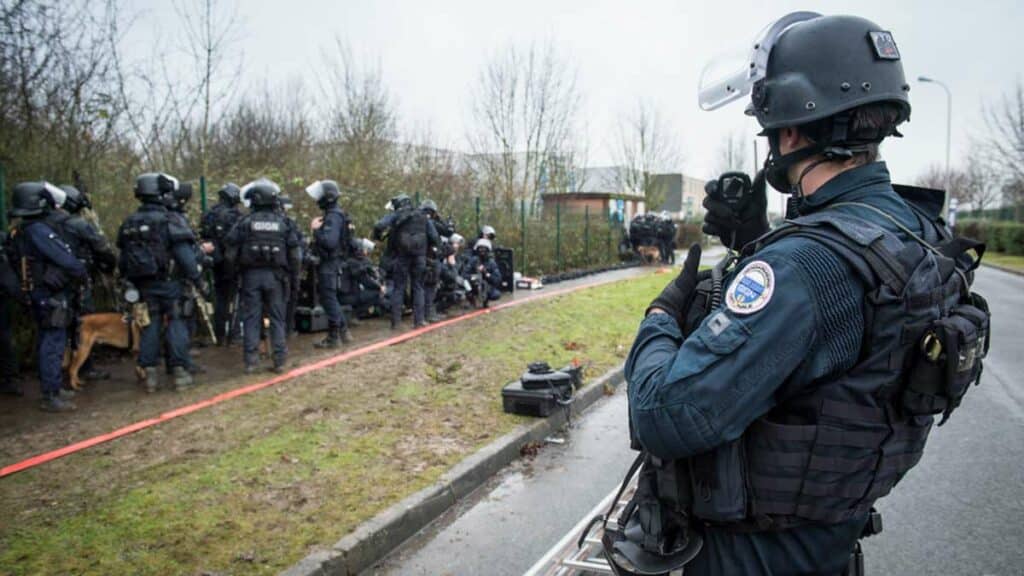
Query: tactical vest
x,y
410,232
826,453
35,271
62,224
330,255
219,221
145,255
265,244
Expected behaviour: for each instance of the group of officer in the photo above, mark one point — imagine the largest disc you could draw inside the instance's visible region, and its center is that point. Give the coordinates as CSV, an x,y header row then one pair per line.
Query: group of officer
x,y
653,229
257,260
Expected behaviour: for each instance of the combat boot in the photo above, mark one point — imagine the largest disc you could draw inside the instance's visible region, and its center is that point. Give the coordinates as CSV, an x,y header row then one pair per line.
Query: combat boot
x,y
152,381
182,379
331,340
346,336
54,403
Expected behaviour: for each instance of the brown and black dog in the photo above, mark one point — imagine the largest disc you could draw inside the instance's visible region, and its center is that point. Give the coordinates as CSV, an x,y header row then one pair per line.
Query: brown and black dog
x,y
110,328
649,254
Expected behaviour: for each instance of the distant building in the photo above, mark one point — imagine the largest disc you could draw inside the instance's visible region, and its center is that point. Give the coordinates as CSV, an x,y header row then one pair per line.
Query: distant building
x,y
599,190
684,196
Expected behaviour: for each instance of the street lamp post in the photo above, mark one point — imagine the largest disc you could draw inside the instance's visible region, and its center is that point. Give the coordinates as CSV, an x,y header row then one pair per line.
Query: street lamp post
x,y
949,124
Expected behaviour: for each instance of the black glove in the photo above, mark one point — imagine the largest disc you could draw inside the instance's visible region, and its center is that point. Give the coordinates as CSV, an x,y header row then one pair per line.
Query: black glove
x,y
736,218
678,295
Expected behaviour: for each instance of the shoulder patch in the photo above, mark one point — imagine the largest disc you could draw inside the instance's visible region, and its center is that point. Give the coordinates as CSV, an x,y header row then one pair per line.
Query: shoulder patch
x,y
751,289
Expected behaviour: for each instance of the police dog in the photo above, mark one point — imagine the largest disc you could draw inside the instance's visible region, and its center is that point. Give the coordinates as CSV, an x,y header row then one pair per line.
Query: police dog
x,y
110,328
649,254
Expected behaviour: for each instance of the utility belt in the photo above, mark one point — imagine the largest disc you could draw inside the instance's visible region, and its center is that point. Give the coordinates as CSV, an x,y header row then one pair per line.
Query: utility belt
x,y
55,312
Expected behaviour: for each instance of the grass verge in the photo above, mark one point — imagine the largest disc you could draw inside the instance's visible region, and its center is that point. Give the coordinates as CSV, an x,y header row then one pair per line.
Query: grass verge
x,y
1005,260
252,486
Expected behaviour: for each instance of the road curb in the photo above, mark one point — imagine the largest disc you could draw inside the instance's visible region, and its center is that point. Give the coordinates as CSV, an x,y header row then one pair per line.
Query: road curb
x,y
378,536
1004,269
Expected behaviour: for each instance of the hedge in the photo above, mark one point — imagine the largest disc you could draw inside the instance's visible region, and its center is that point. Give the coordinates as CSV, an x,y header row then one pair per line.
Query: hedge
x,y
999,235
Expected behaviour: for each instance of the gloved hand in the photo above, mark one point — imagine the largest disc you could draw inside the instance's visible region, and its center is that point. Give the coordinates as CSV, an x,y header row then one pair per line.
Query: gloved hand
x,y
202,287
678,295
739,223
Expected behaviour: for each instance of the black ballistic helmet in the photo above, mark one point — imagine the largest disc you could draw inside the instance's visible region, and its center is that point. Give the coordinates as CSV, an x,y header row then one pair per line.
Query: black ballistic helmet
x,y
827,65
35,199
154,186
230,193
76,200
182,194
324,193
429,205
261,193
401,201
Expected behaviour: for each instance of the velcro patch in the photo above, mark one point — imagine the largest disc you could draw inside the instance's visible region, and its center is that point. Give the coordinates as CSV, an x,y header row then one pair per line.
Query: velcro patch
x,y
751,289
266,226
884,44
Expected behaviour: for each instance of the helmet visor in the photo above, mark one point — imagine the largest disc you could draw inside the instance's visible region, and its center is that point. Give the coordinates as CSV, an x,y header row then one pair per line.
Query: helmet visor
x,y
315,190
731,77
246,199
56,194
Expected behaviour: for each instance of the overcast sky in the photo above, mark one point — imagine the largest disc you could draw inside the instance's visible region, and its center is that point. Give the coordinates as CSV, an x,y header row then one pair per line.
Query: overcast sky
x,y
431,53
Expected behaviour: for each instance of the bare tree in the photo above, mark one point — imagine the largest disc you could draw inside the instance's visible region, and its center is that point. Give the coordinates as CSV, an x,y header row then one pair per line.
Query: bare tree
x,y
646,148
1004,145
954,183
211,32
732,154
981,183
525,108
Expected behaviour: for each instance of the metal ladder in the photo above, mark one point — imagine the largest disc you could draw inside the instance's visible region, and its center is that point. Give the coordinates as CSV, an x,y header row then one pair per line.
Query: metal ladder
x,y
566,559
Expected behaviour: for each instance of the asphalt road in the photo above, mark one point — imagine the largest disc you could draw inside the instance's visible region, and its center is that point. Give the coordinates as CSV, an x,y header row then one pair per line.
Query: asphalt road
x,y
960,511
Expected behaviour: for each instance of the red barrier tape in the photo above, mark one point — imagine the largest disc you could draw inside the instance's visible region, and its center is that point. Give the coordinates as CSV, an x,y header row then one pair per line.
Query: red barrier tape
x,y
344,356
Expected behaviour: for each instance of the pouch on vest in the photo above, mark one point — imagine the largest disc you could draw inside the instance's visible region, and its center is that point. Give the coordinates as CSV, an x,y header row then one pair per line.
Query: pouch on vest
x,y
185,308
140,311
718,481
57,314
54,278
948,359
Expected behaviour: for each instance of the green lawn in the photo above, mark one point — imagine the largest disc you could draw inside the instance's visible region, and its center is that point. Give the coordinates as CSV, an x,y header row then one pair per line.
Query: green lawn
x,y
253,485
1005,260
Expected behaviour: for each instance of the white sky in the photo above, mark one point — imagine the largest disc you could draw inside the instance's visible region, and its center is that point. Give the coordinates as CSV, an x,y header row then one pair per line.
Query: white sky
x,y
432,51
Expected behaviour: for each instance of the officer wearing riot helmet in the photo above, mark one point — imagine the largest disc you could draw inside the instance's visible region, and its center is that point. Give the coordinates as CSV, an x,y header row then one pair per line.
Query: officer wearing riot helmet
x,y
156,255
177,208
331,246
216,223
770,424
411,237
483,273
432,274
48,272
90,246
263,248
666,234
363,290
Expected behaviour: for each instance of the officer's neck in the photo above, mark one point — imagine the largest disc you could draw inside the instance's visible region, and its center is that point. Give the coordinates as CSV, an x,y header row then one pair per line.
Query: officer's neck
x,y
819,174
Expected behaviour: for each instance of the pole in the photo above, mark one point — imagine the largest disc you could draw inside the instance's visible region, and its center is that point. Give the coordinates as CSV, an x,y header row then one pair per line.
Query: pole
x,y
478,214
558,237
586,235
202,193
949,131
522,236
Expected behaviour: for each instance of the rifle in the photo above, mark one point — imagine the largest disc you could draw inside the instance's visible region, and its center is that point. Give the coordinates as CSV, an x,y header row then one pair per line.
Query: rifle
x,y
205,312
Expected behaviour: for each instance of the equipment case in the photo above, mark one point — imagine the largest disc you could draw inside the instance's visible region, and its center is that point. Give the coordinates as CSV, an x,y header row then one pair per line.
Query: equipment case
x,y
309,320
541,402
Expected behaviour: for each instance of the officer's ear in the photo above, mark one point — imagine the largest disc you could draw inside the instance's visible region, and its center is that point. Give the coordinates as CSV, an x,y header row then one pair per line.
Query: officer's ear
x,y
791,139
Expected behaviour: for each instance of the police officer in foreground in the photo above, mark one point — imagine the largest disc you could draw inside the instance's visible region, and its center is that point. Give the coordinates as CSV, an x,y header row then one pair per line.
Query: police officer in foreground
x,y
48,273
432,274
484,273
157,256
411,237
216,223
331,246
264,249
771,424
188,306
90,246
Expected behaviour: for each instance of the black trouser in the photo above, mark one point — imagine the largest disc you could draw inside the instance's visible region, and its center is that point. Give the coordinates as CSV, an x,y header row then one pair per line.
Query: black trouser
x,y
361,301
225,291
406,269
329,290
263,293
